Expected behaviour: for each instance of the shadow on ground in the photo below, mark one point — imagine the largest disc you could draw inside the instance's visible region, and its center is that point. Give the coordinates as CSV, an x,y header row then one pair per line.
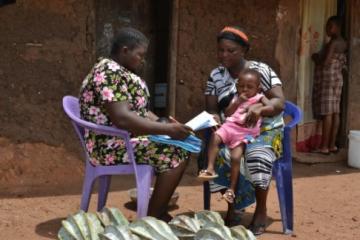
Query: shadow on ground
x,y
49,229
121,183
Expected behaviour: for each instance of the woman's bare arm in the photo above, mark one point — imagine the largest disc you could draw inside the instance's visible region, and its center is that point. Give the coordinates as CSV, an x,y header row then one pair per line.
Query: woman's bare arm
x,y
275,105
123,118
330,50
211,106
276,99
267,107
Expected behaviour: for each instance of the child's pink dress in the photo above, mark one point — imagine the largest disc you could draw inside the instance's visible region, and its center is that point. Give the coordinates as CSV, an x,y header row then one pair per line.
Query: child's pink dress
x,y
233,132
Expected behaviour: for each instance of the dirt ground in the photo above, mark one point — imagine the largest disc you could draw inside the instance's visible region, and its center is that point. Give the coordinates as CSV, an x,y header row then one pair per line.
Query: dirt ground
x,y
36,193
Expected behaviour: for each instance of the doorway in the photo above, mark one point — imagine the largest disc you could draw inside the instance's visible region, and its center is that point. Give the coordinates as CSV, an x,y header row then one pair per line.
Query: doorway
x,y
153,19
162,16
314,15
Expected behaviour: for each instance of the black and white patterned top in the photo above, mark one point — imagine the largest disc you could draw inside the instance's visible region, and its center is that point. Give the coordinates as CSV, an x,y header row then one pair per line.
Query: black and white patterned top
x,y
223,85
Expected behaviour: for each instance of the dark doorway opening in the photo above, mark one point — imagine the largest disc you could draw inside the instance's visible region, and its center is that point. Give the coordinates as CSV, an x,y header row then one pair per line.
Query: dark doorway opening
x,y
162,16
5,2
153,18
342,11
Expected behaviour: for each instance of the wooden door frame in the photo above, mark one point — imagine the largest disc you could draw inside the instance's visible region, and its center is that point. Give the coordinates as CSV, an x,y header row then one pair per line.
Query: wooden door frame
x,y
344,115
173,52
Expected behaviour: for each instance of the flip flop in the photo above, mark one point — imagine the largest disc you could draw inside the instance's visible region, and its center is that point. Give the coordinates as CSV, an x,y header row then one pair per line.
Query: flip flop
x,y
229,196
324,153
334,150
206,175
257,229
320,152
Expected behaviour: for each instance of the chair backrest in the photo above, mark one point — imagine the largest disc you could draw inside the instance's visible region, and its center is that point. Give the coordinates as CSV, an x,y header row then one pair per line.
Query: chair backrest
x,y
294,112
72,110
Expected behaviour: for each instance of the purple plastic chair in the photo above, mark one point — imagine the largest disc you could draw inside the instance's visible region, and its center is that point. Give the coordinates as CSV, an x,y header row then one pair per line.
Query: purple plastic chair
x,y
282,171
143,173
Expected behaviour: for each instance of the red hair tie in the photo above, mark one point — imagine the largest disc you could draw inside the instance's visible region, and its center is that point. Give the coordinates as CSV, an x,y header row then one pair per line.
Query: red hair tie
x,y
237,32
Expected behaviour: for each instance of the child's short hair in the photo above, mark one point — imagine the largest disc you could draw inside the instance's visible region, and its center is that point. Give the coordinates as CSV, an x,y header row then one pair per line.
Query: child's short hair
x,y
252,72
336,20
129,37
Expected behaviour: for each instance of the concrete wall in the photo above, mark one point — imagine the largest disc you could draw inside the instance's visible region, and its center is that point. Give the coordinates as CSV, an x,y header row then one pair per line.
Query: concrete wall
x,y
46,50
271,26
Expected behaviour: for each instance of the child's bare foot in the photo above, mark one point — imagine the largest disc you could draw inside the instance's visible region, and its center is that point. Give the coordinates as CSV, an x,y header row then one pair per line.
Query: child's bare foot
x,y
334,149
207,175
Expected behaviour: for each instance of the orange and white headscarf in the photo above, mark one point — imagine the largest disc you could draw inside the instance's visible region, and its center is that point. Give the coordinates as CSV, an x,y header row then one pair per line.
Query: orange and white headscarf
x,y
236,32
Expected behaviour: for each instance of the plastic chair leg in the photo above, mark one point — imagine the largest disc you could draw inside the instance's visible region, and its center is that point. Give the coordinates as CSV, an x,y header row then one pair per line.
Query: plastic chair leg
x,y
104,186
87,189
285,193
289,211
143,184
207,195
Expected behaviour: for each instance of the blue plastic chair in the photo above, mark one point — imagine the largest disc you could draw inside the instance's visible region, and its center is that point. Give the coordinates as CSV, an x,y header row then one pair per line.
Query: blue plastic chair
x,y
282,170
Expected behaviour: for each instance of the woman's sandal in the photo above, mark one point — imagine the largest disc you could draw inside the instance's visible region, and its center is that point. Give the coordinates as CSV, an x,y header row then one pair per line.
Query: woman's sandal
x,y
257,229
229,196
206,175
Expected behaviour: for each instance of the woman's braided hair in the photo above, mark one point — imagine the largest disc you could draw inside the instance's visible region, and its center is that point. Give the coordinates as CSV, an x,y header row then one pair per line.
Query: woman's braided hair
x,y
129,37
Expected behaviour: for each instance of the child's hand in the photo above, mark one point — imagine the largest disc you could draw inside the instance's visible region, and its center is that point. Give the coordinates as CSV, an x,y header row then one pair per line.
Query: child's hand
x,y
253,115
216,118
243,97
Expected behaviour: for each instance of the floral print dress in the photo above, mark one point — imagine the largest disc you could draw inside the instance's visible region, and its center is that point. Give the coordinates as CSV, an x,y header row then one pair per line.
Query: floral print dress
x,y
110,82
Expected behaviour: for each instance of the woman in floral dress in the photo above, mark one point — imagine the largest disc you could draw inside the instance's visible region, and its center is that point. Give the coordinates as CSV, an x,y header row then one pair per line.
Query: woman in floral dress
x,y
112,94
